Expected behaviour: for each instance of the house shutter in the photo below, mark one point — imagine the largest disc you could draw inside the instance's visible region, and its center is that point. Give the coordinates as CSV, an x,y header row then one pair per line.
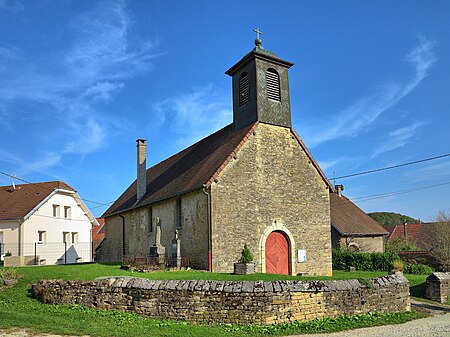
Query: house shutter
x,y
244,89
273,85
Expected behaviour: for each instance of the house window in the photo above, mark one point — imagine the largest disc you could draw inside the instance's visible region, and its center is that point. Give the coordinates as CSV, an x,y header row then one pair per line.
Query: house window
x,y
150,219
273,85
178,210
56,211
74,237
66,237
42,236
67,212
1,237
244,89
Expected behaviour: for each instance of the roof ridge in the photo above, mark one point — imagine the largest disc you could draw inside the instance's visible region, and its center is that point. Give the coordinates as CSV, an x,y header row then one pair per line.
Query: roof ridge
x,y
231,155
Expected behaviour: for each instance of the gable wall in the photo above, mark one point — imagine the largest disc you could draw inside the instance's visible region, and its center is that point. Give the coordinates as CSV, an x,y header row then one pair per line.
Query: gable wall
x,y
10,230
139,238
271,182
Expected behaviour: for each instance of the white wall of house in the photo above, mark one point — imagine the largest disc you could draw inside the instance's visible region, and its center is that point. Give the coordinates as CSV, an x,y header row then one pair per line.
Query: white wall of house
x,y
58,232
9,236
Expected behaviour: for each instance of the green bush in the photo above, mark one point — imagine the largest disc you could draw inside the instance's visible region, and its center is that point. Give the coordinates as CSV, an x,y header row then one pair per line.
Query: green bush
x,y
344,259
246,255
419,269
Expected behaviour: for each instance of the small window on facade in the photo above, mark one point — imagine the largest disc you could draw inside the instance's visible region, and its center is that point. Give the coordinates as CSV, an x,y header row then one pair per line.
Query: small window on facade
x,y
66,237
1,237
273,85
56,211
178,213
244,89
42,236
67,212
150,219
74,237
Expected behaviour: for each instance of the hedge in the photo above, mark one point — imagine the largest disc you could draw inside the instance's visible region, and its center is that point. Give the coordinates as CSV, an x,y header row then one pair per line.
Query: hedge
x,y
343,260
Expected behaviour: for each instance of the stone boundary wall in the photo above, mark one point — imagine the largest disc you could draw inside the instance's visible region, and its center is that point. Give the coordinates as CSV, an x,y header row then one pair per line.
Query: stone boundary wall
x,y
245,302
438,287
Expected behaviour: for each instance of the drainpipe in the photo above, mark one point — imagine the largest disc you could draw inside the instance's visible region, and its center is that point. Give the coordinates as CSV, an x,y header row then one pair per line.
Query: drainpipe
x,y
19,249
123,234
208,195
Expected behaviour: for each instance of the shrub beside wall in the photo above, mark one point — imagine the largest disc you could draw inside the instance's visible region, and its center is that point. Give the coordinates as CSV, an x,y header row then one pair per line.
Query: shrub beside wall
x,y
343,260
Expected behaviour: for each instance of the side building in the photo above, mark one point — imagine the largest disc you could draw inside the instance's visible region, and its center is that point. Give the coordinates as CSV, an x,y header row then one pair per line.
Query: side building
x,y
44,223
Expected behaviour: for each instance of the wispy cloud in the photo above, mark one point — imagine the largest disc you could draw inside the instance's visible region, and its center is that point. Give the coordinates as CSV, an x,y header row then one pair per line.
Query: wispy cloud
x,y
72,85
14,6
356,118
438,171
196,114
397,138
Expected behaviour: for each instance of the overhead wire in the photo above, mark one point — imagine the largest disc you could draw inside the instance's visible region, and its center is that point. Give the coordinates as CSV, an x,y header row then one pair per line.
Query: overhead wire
x,y
49,189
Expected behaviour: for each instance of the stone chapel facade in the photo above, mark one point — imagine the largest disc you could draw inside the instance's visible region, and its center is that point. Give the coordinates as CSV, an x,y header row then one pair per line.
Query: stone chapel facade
x,y
252,182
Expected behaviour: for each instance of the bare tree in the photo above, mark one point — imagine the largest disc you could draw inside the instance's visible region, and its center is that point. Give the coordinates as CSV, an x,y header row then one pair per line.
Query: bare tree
x,y
440,234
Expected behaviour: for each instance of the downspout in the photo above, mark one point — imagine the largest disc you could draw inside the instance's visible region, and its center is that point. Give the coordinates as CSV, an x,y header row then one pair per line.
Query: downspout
x,y
19,249
208,195
123,234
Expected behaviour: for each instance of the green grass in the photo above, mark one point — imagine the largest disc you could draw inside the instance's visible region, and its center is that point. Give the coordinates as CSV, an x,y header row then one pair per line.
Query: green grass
x,y
19,309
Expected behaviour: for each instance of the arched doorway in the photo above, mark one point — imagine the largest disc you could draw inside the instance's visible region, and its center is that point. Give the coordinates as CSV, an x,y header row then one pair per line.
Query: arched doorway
x,y
277,253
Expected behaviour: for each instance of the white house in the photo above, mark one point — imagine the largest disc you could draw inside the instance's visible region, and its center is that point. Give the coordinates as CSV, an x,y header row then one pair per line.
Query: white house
x,y
45,223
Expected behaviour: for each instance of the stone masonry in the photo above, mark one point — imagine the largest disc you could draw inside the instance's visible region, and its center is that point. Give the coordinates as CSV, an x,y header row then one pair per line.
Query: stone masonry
x,y
271,185
438,287
245,302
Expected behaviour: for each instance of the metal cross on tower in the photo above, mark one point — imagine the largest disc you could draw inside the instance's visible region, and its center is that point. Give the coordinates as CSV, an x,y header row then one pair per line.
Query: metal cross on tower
x,y
258,33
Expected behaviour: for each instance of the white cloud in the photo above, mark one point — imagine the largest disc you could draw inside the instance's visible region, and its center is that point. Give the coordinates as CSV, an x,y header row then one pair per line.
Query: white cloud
x,y
359,115
196,114
396,139
101,54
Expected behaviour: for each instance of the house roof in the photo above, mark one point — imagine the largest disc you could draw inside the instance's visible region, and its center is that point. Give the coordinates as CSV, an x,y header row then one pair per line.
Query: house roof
x,y
350,220
194,167
419,233
98,233
16,203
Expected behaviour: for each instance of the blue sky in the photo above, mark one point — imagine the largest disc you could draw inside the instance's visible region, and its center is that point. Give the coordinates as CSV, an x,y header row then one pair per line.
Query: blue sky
x,y
80,81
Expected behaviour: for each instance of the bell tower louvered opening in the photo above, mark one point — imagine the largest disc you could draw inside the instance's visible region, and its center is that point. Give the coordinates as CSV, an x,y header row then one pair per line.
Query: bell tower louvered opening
x,y
273,84
244,89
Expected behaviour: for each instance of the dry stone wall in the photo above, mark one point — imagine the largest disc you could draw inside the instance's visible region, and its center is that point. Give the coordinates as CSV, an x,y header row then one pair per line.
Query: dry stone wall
x,y
245,302
438,287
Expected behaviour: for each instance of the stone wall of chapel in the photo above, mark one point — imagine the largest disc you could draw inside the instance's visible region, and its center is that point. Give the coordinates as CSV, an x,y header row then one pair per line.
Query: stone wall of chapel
x,y
271,182
140,230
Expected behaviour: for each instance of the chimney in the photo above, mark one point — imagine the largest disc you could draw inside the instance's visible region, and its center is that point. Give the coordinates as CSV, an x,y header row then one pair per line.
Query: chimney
x,y
141,168
339,189
405,232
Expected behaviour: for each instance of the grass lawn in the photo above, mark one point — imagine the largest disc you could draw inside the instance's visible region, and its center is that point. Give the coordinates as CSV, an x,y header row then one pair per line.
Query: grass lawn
x,y
19,309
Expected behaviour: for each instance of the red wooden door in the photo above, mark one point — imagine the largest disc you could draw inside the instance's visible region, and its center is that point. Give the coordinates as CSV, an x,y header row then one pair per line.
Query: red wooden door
x,y
277,254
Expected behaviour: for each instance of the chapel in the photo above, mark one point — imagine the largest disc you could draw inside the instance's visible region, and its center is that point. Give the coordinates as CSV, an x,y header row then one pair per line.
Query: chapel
x,y
252,182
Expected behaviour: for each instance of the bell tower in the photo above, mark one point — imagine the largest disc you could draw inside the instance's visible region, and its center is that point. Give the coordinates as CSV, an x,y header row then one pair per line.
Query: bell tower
x,y
260,88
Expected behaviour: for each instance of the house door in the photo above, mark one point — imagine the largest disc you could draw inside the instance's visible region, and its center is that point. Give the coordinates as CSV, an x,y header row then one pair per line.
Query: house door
x,y
277,254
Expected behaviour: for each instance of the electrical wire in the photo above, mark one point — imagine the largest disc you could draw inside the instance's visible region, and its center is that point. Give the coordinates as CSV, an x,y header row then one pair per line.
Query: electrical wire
x,y
49,189
390,167
389,194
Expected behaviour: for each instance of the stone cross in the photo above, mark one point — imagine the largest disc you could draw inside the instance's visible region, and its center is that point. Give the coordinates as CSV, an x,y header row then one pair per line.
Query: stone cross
x,y
158,233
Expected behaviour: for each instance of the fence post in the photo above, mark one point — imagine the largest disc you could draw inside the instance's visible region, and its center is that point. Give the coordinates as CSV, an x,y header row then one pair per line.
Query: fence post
x,y
65,252
35,254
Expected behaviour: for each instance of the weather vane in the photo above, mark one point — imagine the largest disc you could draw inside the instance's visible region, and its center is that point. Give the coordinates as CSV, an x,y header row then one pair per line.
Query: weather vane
x,y
258,40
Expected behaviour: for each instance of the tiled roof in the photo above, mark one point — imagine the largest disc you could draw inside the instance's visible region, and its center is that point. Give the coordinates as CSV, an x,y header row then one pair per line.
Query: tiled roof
x,y
98,233
349,219
16,203
193,168
187,170
419,233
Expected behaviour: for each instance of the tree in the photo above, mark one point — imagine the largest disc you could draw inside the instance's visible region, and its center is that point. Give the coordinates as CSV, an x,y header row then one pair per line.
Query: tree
x,y
389,218
400,245
440,234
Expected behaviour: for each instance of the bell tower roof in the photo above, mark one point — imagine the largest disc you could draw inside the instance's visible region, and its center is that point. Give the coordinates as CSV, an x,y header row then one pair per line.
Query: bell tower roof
x,y
260,88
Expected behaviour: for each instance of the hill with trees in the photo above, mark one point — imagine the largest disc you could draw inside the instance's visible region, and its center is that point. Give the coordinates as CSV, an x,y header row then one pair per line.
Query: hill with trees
x,y
389,218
